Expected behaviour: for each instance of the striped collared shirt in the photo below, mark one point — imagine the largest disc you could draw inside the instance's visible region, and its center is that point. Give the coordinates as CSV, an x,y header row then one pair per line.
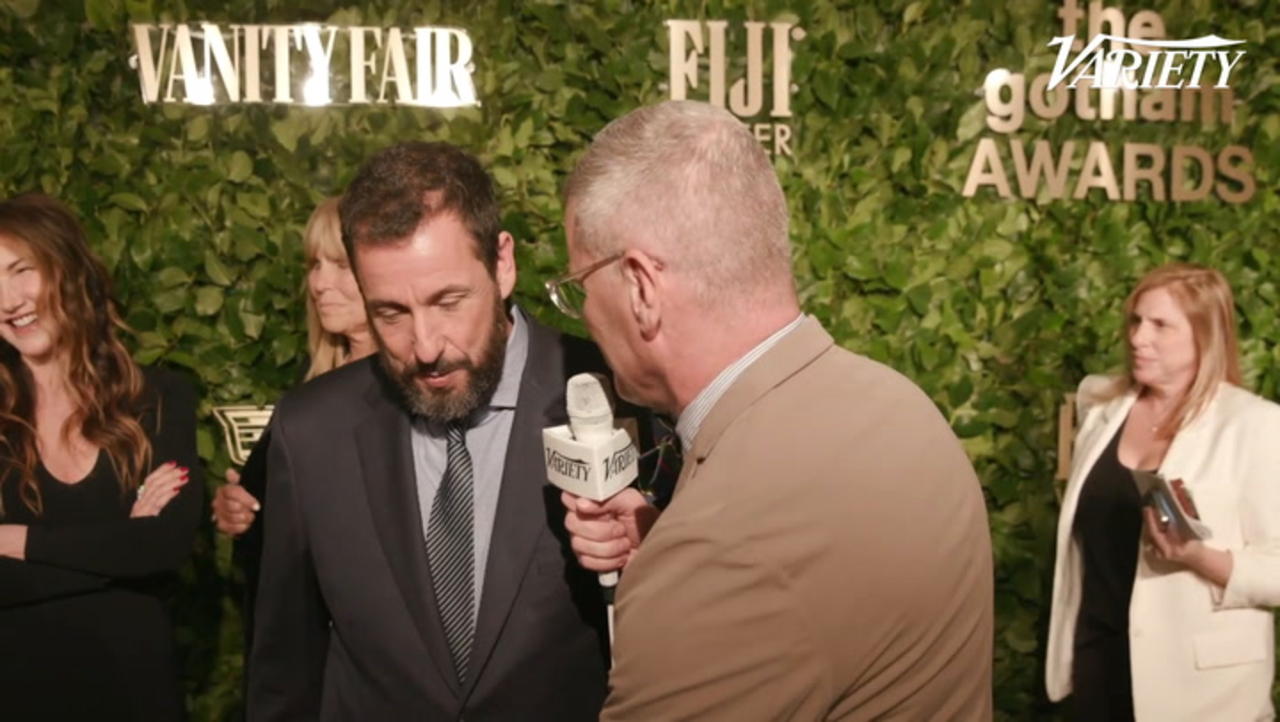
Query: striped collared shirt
x,y
696,412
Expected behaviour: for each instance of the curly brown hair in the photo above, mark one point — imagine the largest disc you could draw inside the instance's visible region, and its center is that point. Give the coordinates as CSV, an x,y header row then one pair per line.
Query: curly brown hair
x,y
106,384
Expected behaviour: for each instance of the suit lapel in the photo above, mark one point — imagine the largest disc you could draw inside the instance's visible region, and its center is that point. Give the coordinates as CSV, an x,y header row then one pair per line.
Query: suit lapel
x,y
791,353
520,515
1189,446
386,462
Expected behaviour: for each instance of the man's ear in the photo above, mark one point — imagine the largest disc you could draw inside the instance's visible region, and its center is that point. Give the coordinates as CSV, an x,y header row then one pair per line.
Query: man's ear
x,y
643,277
504,271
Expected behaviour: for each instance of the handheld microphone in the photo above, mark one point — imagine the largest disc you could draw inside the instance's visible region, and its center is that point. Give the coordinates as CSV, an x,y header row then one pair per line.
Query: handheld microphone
x,y
588,457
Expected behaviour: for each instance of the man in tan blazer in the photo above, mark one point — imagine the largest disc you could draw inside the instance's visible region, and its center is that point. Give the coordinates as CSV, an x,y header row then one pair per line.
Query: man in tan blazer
x,y
826,552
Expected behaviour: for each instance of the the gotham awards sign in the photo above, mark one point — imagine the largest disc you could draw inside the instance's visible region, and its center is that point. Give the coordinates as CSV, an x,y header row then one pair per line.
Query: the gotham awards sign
x,y
308,64
695,44
1132,73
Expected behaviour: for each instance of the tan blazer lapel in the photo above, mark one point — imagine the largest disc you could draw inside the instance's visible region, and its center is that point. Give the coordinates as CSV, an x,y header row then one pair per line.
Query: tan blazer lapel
x,y
792,353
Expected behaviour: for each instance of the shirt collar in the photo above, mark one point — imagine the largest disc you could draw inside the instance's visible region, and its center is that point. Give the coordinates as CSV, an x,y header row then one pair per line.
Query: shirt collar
x,y
517,353
696,412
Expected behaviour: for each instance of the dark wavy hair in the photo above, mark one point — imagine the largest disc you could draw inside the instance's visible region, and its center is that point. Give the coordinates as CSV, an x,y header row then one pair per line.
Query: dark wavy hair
x,y
400,187
106,384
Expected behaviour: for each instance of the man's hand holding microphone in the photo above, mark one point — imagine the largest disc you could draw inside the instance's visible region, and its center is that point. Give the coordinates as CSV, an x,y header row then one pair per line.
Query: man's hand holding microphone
x,y
606,534
593,464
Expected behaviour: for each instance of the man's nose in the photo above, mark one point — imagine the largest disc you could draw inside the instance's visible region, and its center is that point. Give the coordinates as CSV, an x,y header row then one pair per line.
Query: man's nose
x,y
428,342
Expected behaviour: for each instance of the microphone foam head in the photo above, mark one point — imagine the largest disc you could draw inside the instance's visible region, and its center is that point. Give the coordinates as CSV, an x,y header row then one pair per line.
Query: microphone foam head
x,y
588,403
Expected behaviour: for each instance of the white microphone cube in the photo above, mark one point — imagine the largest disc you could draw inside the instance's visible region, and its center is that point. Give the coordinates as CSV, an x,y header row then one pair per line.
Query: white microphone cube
x,y
595,470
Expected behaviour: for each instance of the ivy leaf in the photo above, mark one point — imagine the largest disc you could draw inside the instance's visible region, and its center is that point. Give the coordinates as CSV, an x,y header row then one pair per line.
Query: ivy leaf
x,y
919,298
128,201
253,323
170,301
256,204
172,276
972,122
101,13
198,129
208,300
216,270
204,442
913,13
240,167
24,9
287,131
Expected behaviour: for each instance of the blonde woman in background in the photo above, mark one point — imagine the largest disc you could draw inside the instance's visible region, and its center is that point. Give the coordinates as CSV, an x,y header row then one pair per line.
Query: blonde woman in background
x,y
337,333
1146,625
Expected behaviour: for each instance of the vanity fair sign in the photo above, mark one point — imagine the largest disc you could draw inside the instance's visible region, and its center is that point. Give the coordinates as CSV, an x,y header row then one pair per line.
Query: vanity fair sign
x,y
1122,71
304,64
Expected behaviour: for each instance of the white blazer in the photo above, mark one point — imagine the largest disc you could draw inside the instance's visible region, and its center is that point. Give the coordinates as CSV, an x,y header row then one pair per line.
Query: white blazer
x,y
1198,652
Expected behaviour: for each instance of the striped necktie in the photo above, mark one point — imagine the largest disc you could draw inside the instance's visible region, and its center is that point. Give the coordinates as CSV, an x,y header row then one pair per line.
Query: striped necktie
x,y
450,549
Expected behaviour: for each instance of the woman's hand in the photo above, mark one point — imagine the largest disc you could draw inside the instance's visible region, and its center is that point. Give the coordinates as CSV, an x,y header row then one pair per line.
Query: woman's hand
x,y
158,489
234,508
1212,564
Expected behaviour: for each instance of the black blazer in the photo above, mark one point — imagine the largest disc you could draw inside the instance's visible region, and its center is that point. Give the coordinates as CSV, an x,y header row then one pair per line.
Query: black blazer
x,y
346,620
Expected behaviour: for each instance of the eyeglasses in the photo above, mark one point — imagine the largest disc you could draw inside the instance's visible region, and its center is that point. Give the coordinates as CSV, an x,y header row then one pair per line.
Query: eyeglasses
x,y
567,291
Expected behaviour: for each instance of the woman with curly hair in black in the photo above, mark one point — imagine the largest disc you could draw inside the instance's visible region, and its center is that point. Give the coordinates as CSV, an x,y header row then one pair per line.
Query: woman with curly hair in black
x,y
97,508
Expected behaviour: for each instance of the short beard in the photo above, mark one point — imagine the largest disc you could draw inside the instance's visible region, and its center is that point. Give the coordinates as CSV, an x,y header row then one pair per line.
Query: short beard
x,y
446,405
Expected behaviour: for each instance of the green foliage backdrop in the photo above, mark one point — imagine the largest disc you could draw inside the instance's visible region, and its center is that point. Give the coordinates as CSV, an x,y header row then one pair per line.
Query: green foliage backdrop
x,y
995,307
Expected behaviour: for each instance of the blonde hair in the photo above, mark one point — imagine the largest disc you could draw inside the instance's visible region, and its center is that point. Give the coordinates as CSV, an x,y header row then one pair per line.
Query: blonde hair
x,y
1205,297
323,239
702,190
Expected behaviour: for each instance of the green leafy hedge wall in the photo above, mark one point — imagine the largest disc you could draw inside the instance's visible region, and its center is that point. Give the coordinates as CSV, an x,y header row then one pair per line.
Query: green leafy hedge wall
x,y
996,307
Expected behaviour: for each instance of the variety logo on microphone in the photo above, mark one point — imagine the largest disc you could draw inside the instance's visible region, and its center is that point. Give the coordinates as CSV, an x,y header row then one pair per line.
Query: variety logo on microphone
x,y
620,461
573,468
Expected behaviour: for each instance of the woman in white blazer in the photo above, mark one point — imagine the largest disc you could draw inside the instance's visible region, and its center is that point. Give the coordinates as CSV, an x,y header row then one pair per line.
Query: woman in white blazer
x,y
1144,625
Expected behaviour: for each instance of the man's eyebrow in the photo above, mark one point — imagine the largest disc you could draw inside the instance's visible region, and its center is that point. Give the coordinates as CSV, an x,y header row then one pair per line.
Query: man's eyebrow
x,y
449,290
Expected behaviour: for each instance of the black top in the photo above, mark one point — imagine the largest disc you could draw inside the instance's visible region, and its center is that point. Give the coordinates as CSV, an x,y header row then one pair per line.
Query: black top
x,y
1108,527
83,623
247,548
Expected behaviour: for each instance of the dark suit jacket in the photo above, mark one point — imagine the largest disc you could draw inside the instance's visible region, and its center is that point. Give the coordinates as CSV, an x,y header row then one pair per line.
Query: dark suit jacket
x,y
347,624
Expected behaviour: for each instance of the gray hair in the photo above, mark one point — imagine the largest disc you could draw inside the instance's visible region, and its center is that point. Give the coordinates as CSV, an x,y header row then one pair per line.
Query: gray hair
x,y
688,183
